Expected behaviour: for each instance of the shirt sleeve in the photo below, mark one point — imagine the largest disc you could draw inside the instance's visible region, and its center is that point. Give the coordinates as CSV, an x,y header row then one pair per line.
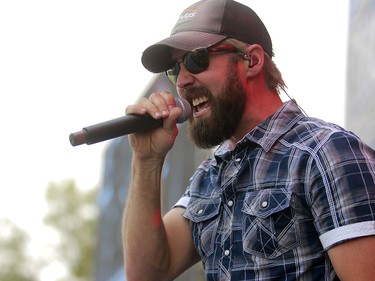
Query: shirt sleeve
x,y
183,201
343,189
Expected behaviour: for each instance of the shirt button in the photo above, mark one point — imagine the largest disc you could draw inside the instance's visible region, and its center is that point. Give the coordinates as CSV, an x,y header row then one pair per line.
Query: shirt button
x,y
226,252
230,203
264,204
200,212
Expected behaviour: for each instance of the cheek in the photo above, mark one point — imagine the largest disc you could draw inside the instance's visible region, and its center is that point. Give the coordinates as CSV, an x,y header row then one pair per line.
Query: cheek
x,y
218,70
241,72
213,78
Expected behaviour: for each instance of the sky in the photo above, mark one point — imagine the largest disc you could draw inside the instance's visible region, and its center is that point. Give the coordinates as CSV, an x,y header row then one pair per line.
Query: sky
x,y
68,64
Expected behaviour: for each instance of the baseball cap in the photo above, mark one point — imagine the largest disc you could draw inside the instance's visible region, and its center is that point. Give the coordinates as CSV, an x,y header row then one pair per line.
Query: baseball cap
x,y
204,24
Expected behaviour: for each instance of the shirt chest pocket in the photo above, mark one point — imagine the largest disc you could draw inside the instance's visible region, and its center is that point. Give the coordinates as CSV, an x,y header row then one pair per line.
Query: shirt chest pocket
x,y
204,217
270,227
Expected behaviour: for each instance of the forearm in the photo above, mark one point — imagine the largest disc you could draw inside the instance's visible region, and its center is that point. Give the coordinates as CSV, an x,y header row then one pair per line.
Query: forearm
x,y
145,244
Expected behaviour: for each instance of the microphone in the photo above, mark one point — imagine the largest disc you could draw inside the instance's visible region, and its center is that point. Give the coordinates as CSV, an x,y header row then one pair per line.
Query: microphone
x,y
124,125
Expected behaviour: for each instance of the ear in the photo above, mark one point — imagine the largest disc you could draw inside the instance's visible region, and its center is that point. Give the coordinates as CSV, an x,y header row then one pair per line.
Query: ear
x,y
254,54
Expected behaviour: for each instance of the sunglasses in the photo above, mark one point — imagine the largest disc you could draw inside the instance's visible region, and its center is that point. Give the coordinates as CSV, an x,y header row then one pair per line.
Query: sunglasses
x,y
197,61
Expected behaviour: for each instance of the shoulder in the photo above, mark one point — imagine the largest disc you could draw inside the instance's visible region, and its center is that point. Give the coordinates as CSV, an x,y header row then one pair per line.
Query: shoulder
x,y
321,136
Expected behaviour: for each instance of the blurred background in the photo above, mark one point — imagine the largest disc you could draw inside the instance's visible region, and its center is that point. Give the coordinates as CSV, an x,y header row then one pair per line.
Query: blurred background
x,y
68,64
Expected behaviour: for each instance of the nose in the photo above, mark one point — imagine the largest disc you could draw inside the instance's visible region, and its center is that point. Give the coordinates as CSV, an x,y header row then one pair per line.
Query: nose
x,y
184,78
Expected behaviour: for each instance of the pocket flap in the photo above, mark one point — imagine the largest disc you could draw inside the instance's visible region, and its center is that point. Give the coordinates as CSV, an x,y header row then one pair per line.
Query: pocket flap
x,y
202,209
262,203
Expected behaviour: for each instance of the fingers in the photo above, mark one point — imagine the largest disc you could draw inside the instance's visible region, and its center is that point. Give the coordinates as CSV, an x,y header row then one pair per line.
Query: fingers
x,y
163,102
158,105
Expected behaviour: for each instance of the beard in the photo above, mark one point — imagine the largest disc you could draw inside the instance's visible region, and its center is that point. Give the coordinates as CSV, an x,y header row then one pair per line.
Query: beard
x,y
227,108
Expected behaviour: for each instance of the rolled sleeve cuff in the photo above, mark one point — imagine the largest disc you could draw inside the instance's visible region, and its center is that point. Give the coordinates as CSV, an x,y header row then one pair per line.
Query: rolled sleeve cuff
x,y
347,232
183,202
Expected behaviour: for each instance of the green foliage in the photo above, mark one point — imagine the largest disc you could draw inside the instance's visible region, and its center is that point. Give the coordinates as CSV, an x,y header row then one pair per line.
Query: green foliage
x,y
15,265
73,214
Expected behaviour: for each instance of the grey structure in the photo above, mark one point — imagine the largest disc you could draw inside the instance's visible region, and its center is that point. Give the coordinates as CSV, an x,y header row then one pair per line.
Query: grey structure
x,y
180,164
360,93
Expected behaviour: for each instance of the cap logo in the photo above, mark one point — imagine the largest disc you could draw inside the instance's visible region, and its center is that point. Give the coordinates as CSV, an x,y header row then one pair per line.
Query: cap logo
x,y
187,15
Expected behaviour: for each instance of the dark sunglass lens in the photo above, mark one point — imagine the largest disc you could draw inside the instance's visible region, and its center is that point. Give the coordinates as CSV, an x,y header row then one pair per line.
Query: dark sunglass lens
x,y
197,61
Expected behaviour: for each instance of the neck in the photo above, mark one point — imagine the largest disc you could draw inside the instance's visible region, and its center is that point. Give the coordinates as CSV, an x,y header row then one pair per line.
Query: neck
x,y
260,105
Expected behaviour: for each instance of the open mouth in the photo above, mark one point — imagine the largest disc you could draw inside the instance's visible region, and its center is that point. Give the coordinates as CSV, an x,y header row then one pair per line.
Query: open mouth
x,y
200,105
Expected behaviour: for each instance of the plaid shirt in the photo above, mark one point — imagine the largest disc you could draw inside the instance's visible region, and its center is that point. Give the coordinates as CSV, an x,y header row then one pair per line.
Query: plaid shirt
x,y
268,207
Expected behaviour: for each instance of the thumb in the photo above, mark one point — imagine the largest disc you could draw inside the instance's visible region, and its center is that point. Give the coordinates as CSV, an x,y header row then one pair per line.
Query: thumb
x,y
170,122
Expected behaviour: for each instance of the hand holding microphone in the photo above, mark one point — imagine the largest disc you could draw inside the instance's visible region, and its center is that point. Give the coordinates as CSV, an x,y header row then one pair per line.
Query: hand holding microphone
x,y
124,125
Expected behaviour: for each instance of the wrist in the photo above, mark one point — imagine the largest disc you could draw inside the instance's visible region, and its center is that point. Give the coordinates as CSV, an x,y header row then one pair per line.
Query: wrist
x,y
147,163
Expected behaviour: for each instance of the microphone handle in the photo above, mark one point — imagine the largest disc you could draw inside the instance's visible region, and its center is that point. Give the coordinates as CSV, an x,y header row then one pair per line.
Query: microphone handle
x,y
114,128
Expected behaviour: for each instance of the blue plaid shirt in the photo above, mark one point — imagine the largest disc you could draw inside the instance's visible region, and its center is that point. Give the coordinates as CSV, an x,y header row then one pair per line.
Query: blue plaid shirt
x,y
268,207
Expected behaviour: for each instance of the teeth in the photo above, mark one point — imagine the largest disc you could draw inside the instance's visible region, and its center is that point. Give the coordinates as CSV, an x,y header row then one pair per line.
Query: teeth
x,y
199,101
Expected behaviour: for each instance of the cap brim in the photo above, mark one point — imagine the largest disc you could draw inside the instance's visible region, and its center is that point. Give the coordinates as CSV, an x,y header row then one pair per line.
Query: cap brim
x,y
158,57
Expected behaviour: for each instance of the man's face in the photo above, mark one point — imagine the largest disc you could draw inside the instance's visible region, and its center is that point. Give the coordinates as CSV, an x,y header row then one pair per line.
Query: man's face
x,y
217,114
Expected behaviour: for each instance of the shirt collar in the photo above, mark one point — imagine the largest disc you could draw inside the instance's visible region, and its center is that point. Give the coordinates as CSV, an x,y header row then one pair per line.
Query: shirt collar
x,y
269,131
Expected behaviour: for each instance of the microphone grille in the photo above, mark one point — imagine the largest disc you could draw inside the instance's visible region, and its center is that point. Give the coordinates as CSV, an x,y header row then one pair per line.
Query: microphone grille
x,y
186,110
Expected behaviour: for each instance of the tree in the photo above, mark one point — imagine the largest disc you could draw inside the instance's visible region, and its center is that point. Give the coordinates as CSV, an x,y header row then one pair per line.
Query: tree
x,y
15,265
74,215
